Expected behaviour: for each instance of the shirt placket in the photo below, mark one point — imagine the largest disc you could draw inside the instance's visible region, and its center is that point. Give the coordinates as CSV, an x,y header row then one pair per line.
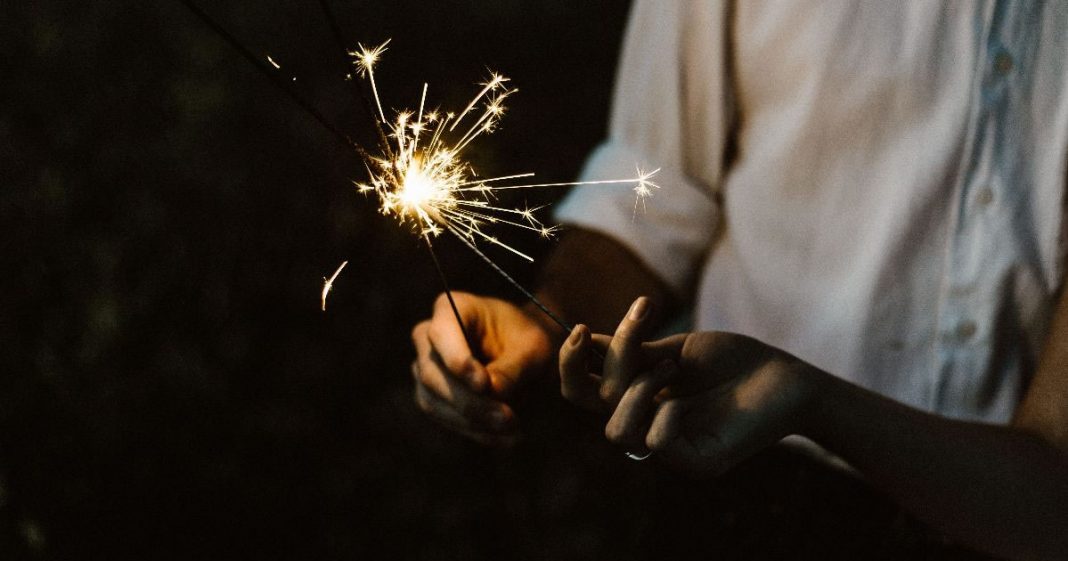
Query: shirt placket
x,y
984,203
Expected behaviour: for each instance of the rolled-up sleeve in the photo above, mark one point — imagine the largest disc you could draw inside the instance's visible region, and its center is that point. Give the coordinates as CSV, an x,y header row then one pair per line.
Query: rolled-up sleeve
x,y
670,112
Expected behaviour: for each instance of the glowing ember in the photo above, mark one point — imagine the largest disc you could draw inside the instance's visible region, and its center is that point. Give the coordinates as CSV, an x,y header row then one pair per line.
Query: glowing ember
x,y
328,283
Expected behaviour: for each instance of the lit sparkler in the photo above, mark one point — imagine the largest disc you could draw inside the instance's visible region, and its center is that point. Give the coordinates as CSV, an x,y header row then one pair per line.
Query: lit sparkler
x,y
430,185
422,179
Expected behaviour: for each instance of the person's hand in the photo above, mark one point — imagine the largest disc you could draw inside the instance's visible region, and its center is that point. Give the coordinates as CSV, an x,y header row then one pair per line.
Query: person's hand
x,y
458,390
701,401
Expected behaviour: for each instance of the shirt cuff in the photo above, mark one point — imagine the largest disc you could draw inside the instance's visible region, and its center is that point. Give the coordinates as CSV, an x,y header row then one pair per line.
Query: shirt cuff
x,y
670,231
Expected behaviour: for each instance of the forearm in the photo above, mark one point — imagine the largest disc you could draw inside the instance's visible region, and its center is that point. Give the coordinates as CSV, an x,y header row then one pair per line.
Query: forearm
x,y
592,279
1000,489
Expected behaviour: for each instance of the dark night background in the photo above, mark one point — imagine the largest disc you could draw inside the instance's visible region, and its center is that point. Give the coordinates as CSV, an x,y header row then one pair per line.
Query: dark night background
x,y
168,385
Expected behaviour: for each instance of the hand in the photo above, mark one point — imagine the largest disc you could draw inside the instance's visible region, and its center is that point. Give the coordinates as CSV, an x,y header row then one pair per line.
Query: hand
x,y
622,361
702,401
458,390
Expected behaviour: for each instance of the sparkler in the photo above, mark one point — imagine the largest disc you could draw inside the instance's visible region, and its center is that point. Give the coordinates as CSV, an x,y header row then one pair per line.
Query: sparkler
x,y
430,186
422,179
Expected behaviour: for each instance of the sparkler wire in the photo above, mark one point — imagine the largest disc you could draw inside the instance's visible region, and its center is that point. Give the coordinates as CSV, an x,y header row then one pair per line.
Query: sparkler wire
x,y
360,95
534,299
339,37
272,74
448,294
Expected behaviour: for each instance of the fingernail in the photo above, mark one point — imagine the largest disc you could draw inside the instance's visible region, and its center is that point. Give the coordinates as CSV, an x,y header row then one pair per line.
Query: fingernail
x,y
638,309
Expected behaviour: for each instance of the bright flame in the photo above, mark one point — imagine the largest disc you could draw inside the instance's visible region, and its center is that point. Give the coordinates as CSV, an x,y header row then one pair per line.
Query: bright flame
x,y
417,189
425,181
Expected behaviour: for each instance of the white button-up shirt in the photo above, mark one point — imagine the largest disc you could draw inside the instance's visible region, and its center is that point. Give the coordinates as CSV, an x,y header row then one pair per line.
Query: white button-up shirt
x,y
876,187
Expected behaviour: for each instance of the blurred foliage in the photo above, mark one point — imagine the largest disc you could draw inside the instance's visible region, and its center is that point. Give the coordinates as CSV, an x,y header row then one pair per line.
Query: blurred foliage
x,y
168,385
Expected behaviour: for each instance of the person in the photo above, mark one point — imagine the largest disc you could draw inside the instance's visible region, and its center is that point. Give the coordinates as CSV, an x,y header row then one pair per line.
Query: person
x,y
864,202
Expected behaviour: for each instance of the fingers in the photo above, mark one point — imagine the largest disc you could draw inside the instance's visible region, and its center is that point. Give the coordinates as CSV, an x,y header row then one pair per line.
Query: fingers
x,y
446,415
666,425
623,360
447,339
630,421
456,400
577,384
488,422
668,348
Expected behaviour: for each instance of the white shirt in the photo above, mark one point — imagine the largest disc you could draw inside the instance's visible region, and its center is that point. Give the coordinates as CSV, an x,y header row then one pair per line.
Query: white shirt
x,y
876,187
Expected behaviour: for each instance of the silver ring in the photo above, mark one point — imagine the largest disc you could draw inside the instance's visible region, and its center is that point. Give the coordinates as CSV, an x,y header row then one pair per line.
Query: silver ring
x,y
636,457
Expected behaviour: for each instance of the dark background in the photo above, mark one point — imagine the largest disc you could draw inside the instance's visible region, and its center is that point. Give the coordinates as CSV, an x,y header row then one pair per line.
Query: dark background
x,y
168,385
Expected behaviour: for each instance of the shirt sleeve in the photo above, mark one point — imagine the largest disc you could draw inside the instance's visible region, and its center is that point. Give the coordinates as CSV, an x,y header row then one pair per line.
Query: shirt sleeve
x,y
670,111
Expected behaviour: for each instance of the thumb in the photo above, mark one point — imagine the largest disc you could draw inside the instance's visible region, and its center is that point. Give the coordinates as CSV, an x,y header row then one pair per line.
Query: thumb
x,y
520,351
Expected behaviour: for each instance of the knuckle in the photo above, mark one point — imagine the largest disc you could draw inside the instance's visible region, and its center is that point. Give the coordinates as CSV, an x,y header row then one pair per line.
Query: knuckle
x,y
452,361
420,329
424,376
567,392
434,330
611,393
624,333
642,386
454,364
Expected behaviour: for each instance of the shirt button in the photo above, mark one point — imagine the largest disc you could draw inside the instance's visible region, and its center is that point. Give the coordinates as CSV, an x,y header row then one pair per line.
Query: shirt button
x,y
1003,63
966,329
985,196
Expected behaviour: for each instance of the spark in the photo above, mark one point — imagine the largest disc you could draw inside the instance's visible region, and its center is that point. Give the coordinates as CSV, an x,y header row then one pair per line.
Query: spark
x,y
642,189
273,63
365,65
422,179
328,283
